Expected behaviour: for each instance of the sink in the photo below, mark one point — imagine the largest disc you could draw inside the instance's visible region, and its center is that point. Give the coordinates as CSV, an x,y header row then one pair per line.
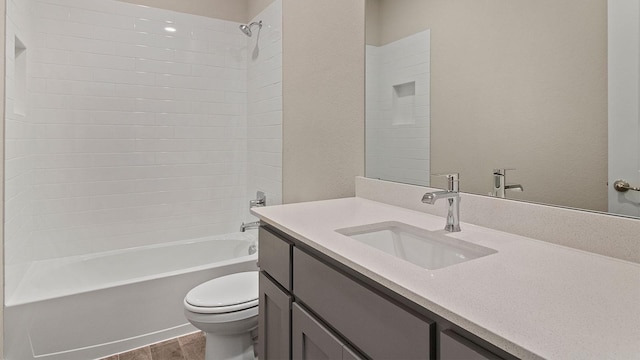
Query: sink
x,y
429,249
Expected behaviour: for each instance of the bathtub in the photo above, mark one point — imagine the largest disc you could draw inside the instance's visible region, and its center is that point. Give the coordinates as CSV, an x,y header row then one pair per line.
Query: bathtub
x,y
91,306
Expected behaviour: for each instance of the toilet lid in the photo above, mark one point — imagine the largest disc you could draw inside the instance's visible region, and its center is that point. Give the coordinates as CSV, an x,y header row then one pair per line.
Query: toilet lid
x,y
225,294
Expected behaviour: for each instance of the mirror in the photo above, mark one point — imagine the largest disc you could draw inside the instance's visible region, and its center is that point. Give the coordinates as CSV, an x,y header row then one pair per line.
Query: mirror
x,y
518,85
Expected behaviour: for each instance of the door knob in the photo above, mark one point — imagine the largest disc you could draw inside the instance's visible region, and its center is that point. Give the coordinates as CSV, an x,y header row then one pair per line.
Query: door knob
x,y
623,186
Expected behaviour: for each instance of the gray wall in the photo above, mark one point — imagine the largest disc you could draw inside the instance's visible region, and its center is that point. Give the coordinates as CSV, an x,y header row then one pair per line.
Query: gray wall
x,y
255,7
323,98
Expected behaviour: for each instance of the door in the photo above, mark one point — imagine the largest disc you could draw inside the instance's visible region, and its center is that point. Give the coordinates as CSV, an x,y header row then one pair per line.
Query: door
x,y
624,104
274,319
312,341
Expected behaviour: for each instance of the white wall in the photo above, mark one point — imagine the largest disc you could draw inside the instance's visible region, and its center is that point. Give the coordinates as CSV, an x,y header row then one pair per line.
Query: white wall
x,y
397,134
264,106
136,144
232,10
2,172
19,151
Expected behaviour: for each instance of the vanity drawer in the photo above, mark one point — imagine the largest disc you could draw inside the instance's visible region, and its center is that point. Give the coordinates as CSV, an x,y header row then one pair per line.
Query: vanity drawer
x,y
379,328
274,257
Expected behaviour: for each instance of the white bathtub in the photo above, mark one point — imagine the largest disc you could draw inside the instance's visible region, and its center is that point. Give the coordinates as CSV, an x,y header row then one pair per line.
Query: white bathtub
x,y
92,306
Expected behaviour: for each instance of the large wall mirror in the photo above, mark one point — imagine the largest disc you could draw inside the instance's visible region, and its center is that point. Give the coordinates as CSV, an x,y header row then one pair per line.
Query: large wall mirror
x,y
533,100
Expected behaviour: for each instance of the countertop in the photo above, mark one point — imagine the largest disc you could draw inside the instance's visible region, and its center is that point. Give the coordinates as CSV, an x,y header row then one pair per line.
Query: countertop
x,y
532,298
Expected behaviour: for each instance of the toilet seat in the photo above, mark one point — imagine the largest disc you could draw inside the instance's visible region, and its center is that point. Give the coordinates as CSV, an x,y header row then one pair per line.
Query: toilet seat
x,y
225,294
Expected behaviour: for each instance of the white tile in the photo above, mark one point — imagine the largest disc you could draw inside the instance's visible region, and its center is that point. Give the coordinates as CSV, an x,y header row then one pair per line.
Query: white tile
x,y
93,89
50,11
145,51
146,92
134,126
201,58
103,61
51,56
122,118
200,95
110,20
162,106
162,67
123,77
61,72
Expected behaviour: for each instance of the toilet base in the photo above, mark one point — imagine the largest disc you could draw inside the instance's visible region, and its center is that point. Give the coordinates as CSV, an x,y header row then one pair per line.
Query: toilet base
x,y
229,347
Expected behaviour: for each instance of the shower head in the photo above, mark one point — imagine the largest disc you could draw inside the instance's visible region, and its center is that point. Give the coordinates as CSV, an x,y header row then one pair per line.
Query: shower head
x,y
246,29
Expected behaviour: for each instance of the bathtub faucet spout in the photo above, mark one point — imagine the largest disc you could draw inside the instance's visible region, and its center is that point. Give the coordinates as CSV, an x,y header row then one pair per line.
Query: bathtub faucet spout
x,y
249,225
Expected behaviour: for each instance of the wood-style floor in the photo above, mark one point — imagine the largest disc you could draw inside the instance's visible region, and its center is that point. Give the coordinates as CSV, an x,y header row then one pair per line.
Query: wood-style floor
x,y
188,347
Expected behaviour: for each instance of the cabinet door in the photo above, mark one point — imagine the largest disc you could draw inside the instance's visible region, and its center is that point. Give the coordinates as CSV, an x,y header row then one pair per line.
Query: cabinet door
x,y
348,354
456,347
274,321
311,340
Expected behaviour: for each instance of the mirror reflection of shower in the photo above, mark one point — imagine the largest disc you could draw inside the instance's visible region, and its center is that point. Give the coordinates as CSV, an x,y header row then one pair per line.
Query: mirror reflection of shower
x,y
246,29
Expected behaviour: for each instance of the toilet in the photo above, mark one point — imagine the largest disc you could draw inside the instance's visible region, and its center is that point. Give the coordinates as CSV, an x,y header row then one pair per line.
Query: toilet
x,y
226,309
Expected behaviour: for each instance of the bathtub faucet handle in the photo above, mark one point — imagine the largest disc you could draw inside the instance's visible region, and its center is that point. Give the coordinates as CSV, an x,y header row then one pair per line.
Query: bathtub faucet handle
x,y
250,225
261,200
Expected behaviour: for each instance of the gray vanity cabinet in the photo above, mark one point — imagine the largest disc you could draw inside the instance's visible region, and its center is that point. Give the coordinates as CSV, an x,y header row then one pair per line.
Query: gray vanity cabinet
x,y
372,323
312,341
274,257
274,321
313,307
274,318
456,347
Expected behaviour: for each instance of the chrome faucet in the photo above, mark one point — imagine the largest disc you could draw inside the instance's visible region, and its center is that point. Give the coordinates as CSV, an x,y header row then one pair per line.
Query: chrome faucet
x,y
249,225
260,201
499,184
452,194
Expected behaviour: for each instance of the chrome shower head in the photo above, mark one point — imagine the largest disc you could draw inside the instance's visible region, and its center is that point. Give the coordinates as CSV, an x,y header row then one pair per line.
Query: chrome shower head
x,y
246,29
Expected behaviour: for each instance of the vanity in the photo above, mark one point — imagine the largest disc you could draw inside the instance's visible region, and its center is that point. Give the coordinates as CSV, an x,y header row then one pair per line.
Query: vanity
x,y
333,311
326,294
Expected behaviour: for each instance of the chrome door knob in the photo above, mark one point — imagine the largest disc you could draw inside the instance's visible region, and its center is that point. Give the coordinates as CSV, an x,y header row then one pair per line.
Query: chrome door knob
x,y
623,186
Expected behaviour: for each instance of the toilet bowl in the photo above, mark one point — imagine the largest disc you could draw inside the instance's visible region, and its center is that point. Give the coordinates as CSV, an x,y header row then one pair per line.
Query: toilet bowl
x,y
226,309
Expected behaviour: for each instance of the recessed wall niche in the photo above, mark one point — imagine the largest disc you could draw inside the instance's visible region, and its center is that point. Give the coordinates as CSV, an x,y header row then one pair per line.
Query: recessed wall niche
x,y
403,103
20,85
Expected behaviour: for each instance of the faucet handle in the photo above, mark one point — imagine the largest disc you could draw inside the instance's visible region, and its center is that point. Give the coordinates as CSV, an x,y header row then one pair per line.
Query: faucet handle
x,y
261,200
453,180
456,176
502,171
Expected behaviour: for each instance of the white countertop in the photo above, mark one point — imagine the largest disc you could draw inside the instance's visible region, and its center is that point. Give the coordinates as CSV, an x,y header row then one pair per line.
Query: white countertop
x,y
533,299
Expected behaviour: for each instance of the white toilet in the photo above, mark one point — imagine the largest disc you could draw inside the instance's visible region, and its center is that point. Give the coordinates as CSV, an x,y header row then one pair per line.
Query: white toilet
x,y
226,309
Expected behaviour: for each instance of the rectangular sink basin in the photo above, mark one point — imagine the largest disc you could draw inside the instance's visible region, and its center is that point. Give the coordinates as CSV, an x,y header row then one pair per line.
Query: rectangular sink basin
x,y
429,249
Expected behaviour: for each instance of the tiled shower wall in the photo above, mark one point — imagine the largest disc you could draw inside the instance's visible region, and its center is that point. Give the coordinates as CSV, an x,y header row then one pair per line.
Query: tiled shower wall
x,y
264,86
140,132
398,124
133,135
19,147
